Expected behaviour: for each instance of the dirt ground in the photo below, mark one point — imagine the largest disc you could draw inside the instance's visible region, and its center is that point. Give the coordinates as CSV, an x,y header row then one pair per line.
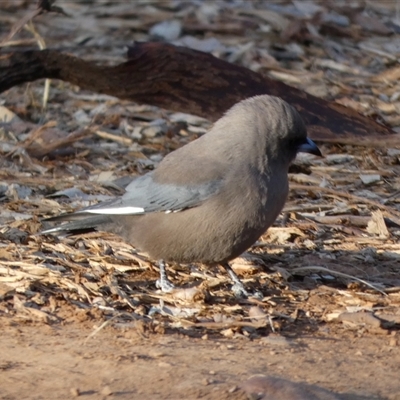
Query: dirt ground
x,y
59,361
81,316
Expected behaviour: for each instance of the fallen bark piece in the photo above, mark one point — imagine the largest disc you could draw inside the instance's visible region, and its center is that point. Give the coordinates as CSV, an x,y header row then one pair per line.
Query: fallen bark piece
x,y
360,318
48,138
377,225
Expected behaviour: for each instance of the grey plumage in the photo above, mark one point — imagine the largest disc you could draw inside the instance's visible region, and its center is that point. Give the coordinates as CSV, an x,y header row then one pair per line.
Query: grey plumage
x,y
212,199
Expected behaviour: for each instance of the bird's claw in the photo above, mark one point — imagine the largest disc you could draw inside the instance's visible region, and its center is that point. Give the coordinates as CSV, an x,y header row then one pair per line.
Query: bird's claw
x,y
165,285
240,292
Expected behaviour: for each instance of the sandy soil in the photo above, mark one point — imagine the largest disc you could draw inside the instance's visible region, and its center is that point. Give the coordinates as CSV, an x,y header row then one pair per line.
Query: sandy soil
x,y
62,361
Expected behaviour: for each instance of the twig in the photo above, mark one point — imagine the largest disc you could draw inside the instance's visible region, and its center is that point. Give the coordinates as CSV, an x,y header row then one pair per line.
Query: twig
x,y
342,274
120,139
332,192
103,325
42,45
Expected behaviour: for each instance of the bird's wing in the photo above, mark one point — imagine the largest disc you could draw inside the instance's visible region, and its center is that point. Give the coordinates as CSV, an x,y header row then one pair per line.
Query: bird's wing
x,y
145,195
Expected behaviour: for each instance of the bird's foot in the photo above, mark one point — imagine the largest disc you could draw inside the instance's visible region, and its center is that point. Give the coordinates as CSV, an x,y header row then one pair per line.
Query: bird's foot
x,y
238,288
165,285
239,291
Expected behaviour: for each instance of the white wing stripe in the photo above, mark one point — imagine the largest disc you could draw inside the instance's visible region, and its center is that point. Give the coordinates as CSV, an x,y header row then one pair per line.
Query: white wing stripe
x,y
117,210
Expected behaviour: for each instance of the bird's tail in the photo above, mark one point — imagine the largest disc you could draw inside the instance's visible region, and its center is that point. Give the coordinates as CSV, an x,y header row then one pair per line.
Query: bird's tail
x,y
79,223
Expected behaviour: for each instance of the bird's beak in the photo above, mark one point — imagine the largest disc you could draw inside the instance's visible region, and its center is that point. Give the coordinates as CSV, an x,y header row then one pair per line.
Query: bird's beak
x,y
309,147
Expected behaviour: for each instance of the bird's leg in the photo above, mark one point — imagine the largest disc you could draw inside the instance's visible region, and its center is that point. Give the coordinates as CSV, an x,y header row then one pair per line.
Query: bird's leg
x,y
238,287
164,283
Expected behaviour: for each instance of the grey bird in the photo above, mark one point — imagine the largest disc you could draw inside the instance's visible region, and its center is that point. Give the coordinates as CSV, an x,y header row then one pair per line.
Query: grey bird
x,y
210,200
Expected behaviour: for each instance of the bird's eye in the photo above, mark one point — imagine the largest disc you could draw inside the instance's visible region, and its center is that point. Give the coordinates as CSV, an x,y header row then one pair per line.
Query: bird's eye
x,y
294,143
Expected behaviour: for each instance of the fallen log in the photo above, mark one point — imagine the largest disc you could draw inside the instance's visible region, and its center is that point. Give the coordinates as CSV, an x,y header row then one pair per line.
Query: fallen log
x,y
185,80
